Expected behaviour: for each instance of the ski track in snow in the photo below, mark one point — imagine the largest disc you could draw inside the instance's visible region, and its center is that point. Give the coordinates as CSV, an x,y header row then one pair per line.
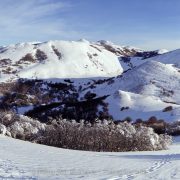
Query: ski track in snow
x,y
156,166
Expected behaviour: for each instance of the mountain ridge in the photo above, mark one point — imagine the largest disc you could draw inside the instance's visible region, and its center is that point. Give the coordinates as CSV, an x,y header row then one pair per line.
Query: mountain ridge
x,y
118,81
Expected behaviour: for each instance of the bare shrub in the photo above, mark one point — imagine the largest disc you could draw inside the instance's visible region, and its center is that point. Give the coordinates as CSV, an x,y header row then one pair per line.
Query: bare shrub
x,y
103,136
56,51
7,117
173,128
40,56
168,108
2,129
5,62
8,70
27,58
19,126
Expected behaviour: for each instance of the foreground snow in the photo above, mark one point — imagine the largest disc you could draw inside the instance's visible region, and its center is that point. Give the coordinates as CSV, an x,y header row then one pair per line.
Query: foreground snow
x,y
24,160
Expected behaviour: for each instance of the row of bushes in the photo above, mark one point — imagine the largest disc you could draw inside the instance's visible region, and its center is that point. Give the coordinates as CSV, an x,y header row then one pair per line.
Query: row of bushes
x,y
103,136
98,136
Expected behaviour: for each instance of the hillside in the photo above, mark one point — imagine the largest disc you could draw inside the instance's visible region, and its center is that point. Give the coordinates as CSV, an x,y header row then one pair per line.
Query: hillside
x,y
144,91
82,79
57,59
172,57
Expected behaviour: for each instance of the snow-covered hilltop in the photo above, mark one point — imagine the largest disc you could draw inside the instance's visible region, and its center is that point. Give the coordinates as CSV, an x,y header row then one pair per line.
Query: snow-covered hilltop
x,y
172,57
65,59
58,59
146,90
117,81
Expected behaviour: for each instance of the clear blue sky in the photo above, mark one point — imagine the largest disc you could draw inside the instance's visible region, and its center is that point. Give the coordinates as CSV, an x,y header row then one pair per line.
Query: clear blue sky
x,y
148,24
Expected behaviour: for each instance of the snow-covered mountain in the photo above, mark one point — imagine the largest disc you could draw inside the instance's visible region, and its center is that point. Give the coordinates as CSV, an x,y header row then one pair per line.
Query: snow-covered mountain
x,y
58,59
65,59
146,90
121,81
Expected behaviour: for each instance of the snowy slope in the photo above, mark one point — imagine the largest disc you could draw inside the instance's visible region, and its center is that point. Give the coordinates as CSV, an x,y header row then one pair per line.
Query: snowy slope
x,y
162,51
24,160
117,49
172,57
67,59
129,62
141,87
58,59
144,91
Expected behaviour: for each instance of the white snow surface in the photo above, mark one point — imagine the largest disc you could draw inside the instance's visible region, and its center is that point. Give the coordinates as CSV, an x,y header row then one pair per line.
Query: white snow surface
x,y
146,90
162,51
24,160
172,57
78,59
